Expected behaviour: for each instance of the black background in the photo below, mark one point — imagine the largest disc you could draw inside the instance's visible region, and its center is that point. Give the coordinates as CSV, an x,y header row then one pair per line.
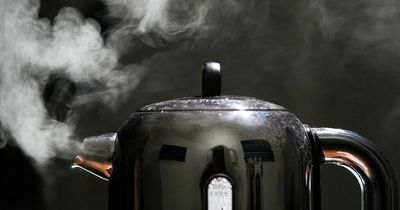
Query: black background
x,y
330,82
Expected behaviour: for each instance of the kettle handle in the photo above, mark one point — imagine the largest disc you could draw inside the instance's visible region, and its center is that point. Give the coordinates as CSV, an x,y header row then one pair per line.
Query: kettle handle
x,y
359,155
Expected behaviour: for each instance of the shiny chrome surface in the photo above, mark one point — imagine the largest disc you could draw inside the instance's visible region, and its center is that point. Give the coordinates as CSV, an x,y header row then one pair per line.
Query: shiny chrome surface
x,y
211,82
96,155
228,153
104,169
216,103
231,160
358,155
264,154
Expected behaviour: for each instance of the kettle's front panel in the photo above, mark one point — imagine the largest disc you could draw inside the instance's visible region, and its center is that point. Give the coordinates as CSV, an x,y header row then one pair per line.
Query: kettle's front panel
x,y
211,160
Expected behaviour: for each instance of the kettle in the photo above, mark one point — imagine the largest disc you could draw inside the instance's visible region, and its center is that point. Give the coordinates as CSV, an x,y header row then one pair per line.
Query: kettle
x,y
215,152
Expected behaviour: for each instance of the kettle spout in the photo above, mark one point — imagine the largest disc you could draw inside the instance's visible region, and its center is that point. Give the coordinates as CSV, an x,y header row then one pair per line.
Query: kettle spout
x,y
95,155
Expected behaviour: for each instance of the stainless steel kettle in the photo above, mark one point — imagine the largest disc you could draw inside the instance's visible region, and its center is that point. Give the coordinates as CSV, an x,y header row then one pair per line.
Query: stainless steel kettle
x,y
217,152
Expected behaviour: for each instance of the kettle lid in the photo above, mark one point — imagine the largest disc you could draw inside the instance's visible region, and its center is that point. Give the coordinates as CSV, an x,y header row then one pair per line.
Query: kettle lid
x,y
211,99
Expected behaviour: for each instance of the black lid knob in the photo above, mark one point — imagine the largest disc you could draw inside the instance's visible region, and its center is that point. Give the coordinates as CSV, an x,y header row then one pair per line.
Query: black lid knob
x,y
211,83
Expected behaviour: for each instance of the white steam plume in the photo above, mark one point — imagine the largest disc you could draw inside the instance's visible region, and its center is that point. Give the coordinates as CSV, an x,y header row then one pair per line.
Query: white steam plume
x,y
156,22
33,49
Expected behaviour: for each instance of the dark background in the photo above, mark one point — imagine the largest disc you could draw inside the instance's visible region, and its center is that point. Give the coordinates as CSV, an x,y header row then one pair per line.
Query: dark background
x,y
335,81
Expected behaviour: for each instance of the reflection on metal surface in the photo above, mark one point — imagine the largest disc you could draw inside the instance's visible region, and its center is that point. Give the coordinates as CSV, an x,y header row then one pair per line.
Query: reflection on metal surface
x,y
255,153
359,156
219,194
88,165
347,159
96,155
214,149
258,148
256,182
172,152
136,185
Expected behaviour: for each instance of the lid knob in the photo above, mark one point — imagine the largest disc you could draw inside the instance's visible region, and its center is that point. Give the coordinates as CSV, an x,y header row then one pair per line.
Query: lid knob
x,y
211,83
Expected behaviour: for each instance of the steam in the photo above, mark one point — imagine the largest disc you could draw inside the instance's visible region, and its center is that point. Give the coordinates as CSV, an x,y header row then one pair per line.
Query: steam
x,y
158,22
146,18
31,51
365,21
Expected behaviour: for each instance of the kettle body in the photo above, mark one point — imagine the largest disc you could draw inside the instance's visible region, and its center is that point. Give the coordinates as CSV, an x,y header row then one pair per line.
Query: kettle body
x,y
228,153
178,155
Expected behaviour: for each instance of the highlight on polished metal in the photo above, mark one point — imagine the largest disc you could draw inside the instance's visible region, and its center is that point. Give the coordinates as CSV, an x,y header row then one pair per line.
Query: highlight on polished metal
x,y
103,170
213,152
358,155
96,155
219,194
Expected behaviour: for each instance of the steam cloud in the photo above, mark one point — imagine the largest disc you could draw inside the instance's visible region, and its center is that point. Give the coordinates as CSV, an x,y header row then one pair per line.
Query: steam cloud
x,y
156,22
33,49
